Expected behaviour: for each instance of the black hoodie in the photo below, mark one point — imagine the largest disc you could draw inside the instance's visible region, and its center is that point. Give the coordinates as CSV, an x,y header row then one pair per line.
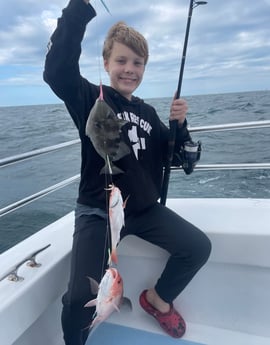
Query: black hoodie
x,y
145,134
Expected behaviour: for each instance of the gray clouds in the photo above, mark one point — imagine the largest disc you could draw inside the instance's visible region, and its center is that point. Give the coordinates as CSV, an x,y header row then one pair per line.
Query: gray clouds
x,y
228,46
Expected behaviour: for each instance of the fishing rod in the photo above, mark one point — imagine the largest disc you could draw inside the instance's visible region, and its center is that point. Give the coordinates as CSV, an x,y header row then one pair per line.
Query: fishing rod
x,y
174,123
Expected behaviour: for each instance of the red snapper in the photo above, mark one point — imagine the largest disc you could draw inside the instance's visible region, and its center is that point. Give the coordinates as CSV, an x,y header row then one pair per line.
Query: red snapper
x,y
109,296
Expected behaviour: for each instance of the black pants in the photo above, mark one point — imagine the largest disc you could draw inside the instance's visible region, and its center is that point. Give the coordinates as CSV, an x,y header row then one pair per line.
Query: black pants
x,y
189,249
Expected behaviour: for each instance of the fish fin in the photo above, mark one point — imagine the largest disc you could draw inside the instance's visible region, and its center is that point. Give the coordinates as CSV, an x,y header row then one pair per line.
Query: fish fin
x,y
125,202
106,7
116,307
97,320
91,303
93,285
126,303
114,170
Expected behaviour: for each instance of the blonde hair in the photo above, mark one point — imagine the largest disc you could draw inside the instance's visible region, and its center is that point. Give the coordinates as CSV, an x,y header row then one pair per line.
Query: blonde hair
x,y
128,36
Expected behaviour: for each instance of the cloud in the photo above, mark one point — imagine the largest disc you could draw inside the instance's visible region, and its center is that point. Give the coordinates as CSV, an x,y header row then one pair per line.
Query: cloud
x,y
228,47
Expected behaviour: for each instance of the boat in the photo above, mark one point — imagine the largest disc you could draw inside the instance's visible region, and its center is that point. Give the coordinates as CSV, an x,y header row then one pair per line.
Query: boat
x,y
228,301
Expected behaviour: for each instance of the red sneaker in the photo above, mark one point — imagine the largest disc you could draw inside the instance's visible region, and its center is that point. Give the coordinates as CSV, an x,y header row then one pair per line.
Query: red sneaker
x,y
171,322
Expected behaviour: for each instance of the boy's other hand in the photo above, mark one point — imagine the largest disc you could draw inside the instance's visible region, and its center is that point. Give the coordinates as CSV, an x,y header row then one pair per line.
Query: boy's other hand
x,y
178,111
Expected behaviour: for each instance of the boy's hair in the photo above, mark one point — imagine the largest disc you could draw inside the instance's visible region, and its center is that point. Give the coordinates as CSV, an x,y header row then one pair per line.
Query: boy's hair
x,y
128,36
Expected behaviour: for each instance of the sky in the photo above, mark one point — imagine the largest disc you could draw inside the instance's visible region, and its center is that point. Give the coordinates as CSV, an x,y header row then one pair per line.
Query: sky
x,y
228,48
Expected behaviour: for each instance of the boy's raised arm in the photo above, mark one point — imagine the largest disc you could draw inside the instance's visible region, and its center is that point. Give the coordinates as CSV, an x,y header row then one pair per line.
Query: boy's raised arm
x,y
62,71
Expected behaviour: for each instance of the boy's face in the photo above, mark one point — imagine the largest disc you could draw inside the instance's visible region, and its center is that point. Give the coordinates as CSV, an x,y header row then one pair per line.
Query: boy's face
x,y
125,69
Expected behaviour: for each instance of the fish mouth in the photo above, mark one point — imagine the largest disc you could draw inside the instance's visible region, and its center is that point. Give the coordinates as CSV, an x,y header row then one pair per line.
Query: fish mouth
x,y
113,272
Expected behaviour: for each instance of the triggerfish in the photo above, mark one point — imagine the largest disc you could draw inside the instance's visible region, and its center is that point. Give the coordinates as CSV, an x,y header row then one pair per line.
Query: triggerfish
x,y
109,296
103,128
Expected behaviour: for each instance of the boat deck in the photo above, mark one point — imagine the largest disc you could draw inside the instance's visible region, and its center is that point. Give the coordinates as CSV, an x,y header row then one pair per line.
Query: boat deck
x,y
227,303
112,334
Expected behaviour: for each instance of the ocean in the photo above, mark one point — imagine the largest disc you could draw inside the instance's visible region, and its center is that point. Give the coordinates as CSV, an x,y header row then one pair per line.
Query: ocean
x,y
28,128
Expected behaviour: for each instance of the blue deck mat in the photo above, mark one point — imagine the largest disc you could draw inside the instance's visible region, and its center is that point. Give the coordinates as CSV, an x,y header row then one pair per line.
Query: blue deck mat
x,y
112,334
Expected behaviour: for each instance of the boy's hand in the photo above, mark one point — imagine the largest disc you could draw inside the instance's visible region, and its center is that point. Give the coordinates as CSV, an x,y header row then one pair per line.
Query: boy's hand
x,y
178,111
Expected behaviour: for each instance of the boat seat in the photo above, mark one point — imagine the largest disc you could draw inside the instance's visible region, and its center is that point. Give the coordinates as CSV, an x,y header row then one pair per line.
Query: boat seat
x,y
238,229
230,294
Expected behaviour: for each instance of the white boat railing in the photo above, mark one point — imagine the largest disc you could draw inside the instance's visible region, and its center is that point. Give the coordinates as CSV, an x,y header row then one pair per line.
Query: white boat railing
x,y
233,166
211,128
21,157
202,167
12,207
231,126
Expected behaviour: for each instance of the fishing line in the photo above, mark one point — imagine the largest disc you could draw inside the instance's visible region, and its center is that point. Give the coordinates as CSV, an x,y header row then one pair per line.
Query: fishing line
x,y
98,45
107,240
108,188
108,176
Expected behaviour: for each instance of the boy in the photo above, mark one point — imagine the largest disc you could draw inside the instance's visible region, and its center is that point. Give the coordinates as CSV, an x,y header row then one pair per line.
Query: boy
x,y
125,55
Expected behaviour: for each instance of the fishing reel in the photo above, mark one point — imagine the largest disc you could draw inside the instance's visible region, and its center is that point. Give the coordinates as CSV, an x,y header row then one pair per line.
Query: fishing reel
x,y
189,155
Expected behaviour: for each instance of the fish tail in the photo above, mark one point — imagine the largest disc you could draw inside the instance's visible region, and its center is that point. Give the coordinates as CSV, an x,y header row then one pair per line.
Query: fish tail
x,y
109,258
113,171
114,257
106,7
